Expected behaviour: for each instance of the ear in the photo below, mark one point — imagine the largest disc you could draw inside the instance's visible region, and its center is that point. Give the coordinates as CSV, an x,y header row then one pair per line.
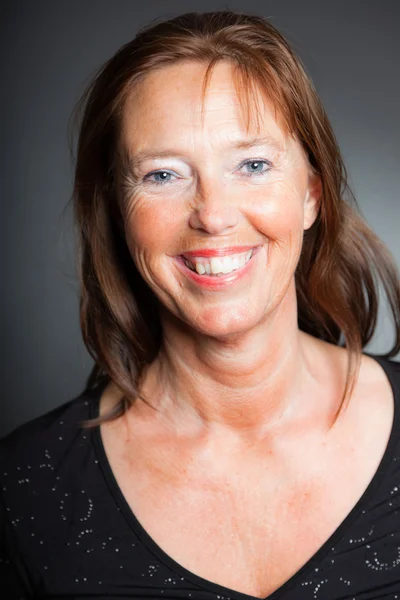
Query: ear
x,y
312,201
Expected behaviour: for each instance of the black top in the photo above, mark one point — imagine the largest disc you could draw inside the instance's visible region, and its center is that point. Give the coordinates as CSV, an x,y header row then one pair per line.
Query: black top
x,y
67,531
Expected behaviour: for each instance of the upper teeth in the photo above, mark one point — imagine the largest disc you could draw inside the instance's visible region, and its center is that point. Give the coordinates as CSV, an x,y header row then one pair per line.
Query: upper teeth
x,y
220,264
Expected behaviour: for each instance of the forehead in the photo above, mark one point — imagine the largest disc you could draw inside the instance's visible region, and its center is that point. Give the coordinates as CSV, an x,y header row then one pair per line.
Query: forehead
x,y
169,102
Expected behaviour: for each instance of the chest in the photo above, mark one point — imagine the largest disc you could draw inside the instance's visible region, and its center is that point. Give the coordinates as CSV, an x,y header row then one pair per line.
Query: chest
x,y
251,540
248,526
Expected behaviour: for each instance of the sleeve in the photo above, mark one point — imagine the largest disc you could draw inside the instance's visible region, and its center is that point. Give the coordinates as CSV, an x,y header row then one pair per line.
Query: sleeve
x,y
14,579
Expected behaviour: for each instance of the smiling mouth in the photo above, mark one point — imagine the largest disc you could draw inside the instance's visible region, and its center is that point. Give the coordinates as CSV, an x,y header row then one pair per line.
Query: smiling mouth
x,y
218,266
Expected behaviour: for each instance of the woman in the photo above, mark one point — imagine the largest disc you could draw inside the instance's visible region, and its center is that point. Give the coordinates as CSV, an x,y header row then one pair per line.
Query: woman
x,y
233,440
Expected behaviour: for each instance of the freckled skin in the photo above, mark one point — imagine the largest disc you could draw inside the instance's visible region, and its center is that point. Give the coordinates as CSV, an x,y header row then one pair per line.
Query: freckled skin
x,y
238,458
212,204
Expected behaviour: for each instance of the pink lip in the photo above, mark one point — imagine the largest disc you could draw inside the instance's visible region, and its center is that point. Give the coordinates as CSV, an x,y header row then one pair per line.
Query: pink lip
x,y
207,252
216,283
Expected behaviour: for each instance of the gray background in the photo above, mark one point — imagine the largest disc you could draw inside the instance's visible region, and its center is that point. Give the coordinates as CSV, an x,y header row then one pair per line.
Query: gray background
x,y
50,49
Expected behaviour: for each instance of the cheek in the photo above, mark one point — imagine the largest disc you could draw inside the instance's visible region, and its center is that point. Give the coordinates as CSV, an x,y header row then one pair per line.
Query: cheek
x,y
153,229
278,212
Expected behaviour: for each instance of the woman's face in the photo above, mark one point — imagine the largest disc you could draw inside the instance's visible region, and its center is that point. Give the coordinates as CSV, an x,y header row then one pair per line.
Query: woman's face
x,y
203,197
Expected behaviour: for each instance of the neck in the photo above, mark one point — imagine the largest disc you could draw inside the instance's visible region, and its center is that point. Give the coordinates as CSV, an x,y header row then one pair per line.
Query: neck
x,y
247,384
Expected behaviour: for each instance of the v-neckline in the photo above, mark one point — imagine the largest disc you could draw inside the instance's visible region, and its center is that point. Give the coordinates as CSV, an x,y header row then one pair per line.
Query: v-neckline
x,y
311,563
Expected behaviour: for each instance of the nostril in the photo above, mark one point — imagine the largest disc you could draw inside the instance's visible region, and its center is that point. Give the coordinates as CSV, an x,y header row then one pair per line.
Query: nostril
x,y
214,221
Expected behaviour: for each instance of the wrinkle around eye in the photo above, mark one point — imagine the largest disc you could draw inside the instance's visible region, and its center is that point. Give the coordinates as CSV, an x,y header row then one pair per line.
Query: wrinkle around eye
x,y
127,191
133,190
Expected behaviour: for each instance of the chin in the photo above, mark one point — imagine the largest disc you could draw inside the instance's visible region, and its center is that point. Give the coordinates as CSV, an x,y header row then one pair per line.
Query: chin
x,y
224,323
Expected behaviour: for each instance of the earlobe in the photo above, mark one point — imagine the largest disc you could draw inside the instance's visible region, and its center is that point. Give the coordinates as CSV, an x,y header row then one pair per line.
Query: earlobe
x,y
312,201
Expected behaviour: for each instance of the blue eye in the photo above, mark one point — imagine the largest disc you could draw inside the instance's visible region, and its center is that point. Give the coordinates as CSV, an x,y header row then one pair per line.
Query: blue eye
x,y
257,167
160,174
254,167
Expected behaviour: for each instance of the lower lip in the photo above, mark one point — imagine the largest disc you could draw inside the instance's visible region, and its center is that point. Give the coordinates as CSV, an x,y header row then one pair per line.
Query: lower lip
x,y
214,282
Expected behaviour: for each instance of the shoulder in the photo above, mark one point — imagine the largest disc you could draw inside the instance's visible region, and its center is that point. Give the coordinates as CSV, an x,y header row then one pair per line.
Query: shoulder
x,y
376,392
379,379
390,367
375,389
48,470
41,455
46,431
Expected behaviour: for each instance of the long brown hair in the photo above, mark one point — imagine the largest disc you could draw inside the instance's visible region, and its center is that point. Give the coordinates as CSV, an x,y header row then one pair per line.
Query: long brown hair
x,y
342,262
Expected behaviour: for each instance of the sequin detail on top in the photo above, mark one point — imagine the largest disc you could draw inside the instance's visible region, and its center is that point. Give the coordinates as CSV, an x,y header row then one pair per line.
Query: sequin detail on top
x,y
68,533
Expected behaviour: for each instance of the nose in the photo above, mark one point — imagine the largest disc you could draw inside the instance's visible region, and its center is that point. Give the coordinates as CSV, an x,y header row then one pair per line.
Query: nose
x,y
214,209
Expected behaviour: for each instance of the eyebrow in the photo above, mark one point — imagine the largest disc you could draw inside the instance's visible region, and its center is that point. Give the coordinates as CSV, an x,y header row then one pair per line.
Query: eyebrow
x,y
134,161
258,141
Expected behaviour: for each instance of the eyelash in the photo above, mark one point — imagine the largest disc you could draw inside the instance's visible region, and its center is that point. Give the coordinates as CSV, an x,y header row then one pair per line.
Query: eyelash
x,y
247,162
